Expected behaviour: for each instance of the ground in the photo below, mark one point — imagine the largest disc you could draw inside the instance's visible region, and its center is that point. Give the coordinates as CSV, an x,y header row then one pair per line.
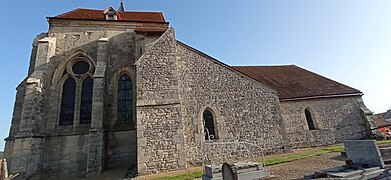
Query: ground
x,y
296,169
299,168
290,170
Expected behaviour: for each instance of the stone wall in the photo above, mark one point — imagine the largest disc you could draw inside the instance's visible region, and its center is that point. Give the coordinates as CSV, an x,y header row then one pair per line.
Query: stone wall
x,y
65,156
244,109
338,119
84,147
122,149
159,120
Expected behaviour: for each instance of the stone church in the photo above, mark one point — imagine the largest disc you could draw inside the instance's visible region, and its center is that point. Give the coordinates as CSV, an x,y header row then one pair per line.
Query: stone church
x,y
111,89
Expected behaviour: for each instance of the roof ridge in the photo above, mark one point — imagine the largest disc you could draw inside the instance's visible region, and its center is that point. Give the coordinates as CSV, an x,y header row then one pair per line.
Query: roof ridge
x,y
120,12
67,12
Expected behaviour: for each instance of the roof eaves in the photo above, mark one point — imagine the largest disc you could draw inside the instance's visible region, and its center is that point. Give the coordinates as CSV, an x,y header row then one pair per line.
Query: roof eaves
x,y
320,97
118,20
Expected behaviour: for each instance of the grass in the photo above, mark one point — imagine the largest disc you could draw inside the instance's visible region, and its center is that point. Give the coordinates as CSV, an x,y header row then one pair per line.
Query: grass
x,y
384,142
274,161
268,162
293,157
187,176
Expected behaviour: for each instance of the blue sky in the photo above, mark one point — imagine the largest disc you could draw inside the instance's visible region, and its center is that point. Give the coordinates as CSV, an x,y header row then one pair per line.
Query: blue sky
x,y
348,41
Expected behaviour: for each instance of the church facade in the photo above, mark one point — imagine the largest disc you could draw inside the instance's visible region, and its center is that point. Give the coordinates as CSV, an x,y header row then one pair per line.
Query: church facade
x,y
111,89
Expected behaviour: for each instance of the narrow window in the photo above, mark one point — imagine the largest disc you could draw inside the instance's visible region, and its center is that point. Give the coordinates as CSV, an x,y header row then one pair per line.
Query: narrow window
x,y
310,120
86,101
209,125
68,102
125,99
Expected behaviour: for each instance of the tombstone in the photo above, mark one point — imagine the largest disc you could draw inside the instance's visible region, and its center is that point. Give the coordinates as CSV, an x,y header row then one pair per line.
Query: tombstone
x,y
364,152
239,170
229,172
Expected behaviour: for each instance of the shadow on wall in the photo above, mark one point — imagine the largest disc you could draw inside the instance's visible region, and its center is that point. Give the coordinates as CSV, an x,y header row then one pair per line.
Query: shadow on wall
x,y
66,148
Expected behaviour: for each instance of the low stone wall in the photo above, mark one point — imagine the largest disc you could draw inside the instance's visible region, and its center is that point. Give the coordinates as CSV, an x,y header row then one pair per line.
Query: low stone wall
x,y
217,152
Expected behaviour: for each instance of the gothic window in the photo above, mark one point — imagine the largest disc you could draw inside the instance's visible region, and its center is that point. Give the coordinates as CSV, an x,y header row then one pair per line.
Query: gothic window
x,y
80,67
76,97
310,119
125,99
86,101
68,102
209,128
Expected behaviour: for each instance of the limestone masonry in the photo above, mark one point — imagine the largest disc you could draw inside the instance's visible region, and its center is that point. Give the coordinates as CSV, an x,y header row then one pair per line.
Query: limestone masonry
x,y
111,89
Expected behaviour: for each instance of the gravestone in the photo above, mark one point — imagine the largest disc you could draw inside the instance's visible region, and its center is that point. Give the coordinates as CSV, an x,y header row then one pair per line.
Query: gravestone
x,y
229,172
243,170
364,152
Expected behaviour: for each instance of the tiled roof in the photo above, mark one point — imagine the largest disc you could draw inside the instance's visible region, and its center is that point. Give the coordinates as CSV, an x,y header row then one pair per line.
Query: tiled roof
x,y
93,14
379,121
293,82
387,115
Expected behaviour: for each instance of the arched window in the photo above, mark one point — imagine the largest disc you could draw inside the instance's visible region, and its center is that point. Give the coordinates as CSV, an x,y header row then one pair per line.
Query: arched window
x,y
310,119
77,92
86,101
209,128
68,102
125,99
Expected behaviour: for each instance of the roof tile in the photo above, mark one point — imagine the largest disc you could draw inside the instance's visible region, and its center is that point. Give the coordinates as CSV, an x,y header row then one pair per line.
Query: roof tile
x,y
292,82
93,14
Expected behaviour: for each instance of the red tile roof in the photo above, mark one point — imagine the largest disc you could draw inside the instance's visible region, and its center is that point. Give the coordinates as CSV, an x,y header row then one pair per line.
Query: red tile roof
x,y
379,121
93,14
293,82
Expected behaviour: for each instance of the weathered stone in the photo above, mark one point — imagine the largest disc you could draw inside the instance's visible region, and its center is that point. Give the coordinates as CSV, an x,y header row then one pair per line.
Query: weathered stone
x,y
171,84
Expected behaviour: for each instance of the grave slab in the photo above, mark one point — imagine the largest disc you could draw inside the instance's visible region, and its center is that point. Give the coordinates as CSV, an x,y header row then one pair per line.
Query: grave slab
x,y
364,152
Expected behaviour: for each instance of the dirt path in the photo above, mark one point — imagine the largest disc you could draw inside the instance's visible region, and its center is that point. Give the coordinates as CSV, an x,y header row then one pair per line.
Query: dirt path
x,y
299,168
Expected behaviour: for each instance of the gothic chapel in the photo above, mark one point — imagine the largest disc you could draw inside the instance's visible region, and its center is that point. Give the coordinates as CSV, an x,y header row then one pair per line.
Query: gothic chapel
x,y
111,89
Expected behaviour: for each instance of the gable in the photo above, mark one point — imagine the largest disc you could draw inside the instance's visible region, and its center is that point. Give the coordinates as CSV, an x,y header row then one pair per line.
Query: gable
x,y
229,68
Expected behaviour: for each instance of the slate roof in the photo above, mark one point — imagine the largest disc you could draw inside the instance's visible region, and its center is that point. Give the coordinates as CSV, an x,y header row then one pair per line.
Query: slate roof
x,y
293,82
93,14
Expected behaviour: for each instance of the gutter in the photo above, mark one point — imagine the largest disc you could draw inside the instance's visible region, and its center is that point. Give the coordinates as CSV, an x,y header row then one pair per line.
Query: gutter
x,y
320,97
